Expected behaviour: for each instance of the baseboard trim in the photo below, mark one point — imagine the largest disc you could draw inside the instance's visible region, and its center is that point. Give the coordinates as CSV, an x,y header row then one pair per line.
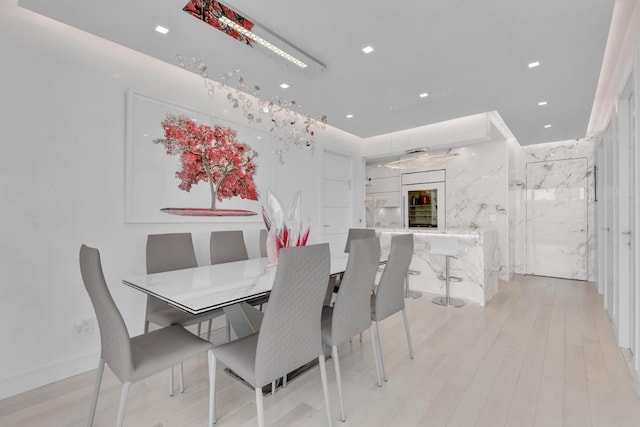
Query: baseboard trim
x,y
48,373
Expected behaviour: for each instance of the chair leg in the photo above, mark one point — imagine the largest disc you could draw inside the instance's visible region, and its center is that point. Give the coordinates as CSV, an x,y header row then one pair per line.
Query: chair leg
x,y
406,329
336,366
123,403
228,329
181,378
146,326
325,387
284,381
260,407
96,392
384,368
171,382
199,329
209,330
273,388
375,357
212,388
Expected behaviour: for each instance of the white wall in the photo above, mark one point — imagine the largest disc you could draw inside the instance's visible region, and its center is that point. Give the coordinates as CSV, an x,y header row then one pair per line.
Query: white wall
x,y
451,133
62,121
608,125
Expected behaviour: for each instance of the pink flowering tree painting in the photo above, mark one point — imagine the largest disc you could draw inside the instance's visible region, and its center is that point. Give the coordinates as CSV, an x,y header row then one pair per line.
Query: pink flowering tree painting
x,y
212,155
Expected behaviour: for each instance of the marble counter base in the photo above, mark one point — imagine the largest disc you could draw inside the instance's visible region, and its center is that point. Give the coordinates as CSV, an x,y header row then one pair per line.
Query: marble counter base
x,y
478,266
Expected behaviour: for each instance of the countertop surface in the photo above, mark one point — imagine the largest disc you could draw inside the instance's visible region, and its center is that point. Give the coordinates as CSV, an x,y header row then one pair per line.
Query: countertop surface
x,y
450,231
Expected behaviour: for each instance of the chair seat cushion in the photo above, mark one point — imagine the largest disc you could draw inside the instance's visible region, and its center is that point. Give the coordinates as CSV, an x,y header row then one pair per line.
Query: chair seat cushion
x,y
172,316
240,357
158,350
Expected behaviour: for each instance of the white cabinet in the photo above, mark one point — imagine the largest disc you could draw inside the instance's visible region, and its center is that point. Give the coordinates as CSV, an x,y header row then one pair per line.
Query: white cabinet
x,y
423,177
384,183
392,199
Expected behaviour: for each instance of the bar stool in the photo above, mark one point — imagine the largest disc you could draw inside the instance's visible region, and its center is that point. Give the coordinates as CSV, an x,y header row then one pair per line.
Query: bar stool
x,y
449,247
410,293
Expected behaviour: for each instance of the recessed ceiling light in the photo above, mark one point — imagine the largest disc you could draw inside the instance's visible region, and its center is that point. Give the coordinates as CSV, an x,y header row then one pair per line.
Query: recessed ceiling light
x,y
284,86
541,103
534,64
424,95
162,30
367,49
349,116
259,137
379,166
547,126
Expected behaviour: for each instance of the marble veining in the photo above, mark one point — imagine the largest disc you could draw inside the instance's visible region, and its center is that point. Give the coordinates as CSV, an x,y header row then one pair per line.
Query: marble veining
x,y
477,194
563,177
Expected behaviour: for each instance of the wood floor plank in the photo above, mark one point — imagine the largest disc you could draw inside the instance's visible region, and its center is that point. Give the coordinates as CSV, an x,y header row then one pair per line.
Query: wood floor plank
x,y
542,353
550,401
522,411
499,399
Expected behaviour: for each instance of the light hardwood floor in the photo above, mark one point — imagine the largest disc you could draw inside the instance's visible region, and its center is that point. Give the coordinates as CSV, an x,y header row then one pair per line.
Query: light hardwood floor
x,y
542,353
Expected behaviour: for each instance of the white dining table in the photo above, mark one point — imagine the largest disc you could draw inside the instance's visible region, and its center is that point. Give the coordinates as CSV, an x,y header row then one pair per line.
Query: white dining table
x,y
201,289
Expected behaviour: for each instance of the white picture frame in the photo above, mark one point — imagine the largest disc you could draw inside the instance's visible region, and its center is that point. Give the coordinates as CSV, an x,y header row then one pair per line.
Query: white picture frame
x,y
150,182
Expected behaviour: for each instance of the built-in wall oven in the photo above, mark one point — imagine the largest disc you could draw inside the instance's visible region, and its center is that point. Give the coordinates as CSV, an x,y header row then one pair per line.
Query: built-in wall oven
x,y
423,199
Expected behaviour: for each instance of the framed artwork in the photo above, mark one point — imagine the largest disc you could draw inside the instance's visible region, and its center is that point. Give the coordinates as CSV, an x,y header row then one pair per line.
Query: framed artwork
x,y
184,165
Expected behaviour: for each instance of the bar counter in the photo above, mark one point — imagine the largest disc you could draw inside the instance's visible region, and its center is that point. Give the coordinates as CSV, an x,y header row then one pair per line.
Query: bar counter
x,y
477,265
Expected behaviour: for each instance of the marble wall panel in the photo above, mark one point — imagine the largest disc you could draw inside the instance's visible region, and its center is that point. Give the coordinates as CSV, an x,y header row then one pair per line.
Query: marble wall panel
x,y
560,150
557,218
477,194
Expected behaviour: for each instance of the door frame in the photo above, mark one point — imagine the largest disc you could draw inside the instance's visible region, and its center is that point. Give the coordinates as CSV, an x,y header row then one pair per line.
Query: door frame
x,y
621,241
528,201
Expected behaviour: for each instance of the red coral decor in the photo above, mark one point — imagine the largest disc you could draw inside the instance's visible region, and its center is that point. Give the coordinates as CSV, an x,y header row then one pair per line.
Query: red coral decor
x,y
210,11
210,155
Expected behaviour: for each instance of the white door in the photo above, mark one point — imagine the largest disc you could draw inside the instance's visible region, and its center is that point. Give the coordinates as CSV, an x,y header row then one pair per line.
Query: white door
x,y
632,220
609,199
557,218
600,233
337,199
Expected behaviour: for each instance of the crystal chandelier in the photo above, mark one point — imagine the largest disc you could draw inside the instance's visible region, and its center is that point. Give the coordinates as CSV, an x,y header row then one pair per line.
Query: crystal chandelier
x,y
290,125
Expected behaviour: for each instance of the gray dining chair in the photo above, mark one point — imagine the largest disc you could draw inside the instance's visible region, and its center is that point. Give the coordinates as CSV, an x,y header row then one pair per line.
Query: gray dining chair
x,y
167,252
358,233
351,313
389,295
263,243
227,246
353,234
290,335
133,359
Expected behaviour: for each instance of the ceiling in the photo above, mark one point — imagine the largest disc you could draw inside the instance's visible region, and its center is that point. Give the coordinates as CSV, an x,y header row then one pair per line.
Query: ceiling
x,y
470,56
